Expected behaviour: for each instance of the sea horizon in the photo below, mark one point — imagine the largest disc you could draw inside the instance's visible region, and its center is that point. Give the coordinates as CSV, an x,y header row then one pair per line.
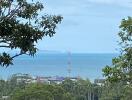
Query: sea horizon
x,y
84,65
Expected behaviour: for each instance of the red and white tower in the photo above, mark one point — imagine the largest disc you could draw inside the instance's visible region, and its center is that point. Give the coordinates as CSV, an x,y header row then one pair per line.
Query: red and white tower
x,y
69,64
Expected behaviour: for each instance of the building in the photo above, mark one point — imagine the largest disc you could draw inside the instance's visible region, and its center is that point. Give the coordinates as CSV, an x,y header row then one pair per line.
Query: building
x,y
40,79
25,78
99,81
50,80
54,79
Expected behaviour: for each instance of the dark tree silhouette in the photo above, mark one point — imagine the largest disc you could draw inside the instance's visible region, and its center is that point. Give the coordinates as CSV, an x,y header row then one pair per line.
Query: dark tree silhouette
x,y
21,26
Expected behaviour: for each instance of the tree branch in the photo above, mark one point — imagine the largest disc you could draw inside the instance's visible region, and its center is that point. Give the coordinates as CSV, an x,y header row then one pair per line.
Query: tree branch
x,y
4,41
17,55
12,13
4,46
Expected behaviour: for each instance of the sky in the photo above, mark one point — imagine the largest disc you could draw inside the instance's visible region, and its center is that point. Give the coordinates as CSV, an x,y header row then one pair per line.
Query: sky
x,y
88,26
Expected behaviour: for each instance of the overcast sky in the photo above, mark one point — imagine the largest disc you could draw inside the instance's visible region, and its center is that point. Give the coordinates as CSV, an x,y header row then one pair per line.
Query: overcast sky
x,y
89,26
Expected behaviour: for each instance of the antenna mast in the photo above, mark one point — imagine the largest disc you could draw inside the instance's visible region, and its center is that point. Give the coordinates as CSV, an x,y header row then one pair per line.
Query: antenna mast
x,y
69,64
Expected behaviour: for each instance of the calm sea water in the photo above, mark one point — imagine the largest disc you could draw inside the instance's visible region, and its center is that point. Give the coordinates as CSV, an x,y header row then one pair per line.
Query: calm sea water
x,y
43,64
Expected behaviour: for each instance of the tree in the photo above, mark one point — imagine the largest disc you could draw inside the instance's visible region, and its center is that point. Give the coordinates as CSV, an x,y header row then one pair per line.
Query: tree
x,y
80,89
68,96
32,92
3,88
17,81
119,75
121,69
22,25
112,91
41,92
68,90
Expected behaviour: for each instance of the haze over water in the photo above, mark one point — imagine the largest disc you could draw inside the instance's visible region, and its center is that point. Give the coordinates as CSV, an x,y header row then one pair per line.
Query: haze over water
x,y
56,64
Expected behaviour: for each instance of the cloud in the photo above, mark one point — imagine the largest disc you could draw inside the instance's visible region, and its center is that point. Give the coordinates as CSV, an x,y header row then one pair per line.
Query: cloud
x,y
85,21
123,3
75,3
74,11
79,7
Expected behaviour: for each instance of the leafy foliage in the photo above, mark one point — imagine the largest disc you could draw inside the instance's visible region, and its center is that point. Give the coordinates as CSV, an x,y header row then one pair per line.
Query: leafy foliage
x,y
121,69
116,91
22,25
67,90
119,75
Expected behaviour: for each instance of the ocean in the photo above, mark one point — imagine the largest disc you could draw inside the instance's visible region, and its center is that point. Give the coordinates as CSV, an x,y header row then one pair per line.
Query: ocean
x,y
57,64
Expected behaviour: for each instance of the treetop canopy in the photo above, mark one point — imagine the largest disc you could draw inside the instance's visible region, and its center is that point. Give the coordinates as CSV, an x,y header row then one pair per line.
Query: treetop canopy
x,y
22,24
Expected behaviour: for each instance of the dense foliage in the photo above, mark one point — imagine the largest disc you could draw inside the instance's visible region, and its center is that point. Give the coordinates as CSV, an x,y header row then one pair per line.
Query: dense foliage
x,y
121,69
119,75
22,24
67,90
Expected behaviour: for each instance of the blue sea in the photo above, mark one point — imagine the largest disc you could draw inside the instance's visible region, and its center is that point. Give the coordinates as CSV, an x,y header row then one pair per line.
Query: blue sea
x,y
56,64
